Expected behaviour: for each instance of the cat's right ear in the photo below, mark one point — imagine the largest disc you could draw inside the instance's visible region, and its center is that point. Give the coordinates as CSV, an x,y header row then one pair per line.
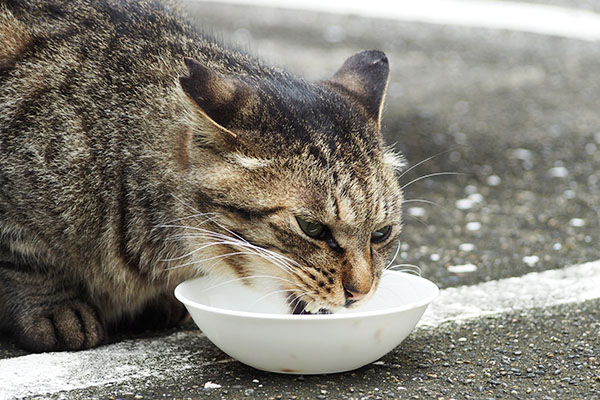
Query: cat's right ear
x,y
223,100
364,77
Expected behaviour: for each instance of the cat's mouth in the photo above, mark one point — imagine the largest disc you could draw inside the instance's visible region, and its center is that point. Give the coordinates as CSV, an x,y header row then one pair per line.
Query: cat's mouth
x,y
300,307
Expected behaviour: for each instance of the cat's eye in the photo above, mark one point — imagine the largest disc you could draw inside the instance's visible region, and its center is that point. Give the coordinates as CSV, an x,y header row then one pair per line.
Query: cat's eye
x,y
312,229
381,235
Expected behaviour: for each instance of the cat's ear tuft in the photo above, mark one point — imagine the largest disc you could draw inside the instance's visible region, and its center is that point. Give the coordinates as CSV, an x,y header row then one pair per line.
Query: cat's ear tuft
x,y
224,99
364,76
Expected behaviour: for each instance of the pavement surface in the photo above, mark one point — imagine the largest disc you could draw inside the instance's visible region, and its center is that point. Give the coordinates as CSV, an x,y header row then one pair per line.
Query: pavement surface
x,y
516,114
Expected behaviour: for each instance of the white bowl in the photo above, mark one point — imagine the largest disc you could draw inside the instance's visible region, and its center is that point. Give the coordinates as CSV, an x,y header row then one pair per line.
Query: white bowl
x,y
257,331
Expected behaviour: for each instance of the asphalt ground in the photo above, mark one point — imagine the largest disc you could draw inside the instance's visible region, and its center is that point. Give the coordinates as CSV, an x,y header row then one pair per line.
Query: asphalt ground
x,y
516,115
549,353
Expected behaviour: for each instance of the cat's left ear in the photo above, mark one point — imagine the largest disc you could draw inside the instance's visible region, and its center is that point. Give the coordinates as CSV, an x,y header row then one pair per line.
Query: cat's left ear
x,y
223,99
364,76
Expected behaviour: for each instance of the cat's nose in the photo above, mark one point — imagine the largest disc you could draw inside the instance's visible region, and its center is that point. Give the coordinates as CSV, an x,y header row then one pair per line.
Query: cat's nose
x,y
357,279
352,294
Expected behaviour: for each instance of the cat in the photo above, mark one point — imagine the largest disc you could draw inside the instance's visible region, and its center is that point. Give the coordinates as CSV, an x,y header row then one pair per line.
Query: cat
x,y
136,153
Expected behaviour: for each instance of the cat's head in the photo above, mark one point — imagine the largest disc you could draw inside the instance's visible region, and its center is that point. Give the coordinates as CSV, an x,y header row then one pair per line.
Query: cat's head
x,y
294,178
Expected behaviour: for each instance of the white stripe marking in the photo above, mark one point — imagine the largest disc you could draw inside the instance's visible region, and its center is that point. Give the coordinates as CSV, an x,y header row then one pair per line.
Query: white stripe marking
x,y
525,17
537,289
51,373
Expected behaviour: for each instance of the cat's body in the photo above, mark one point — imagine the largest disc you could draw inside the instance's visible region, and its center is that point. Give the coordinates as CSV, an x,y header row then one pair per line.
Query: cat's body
x,y
125,170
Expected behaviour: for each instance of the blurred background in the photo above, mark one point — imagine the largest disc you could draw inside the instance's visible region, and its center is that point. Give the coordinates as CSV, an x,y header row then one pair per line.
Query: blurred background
x,y
515,112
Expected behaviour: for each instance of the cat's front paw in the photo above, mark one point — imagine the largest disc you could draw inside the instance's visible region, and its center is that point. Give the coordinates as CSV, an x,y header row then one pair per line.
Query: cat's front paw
x,y
65,326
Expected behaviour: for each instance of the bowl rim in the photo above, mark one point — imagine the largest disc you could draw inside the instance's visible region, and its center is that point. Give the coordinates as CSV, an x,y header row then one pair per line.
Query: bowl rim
x,y
317,317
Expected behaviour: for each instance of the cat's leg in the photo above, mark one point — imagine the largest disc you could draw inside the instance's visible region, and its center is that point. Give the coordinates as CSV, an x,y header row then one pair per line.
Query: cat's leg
x,y
162,312
45,314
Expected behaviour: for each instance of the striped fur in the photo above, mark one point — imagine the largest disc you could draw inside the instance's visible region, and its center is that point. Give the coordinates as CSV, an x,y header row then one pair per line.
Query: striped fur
x,y
123,173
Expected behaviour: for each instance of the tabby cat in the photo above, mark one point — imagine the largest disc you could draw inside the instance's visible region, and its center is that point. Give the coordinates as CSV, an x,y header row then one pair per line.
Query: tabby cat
x,y
136,153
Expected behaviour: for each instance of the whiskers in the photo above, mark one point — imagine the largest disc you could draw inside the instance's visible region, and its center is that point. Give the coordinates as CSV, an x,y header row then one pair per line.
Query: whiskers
x,y
250,277
216,243
423,177
395,255
295,294
429,176
424,161
409,268
432,175
210,238
412,268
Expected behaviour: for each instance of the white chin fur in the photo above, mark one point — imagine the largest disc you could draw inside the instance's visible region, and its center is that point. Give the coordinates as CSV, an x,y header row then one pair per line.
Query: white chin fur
x,y
313,307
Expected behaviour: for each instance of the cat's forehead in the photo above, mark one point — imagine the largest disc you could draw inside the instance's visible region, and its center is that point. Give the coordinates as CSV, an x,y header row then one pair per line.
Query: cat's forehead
x,y
333,151
348,200
309,114
371,199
